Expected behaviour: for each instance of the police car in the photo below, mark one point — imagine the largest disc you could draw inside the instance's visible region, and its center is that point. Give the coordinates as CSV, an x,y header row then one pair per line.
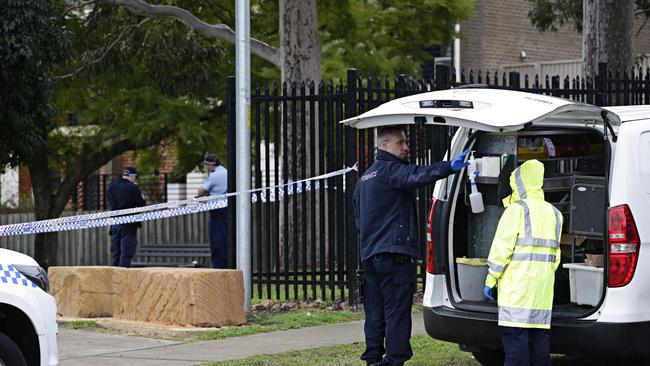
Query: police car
x,y
28,326
597,173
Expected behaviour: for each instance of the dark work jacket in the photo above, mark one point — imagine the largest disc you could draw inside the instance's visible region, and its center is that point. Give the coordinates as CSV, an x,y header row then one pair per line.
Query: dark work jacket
x,y
123,194
385,207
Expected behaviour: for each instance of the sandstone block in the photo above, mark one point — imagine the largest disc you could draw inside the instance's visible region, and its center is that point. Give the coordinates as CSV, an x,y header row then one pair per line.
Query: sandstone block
x,y
84,291
180,296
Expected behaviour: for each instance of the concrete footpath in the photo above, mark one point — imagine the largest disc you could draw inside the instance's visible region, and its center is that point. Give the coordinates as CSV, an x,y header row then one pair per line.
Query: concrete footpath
x,y
79,347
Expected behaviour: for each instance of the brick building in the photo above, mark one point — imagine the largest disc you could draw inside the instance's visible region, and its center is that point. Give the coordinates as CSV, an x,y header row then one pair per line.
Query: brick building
x,y
500,35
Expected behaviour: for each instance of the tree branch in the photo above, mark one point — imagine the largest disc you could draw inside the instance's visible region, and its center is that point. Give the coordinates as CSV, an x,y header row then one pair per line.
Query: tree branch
x,y
215,31
77,5
91,160
641,11
106,50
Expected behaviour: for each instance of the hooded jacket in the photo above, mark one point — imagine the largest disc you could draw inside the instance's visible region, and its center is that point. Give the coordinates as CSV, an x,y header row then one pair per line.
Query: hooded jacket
x,y
384,204
525,252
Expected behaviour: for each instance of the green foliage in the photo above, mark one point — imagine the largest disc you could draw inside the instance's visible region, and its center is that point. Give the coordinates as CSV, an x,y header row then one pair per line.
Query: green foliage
x,y
127,76
32,42
79,324
144,77
381,36
374,36
547,15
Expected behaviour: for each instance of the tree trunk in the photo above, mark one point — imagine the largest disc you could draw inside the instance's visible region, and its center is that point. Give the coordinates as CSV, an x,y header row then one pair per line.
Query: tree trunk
x,y
45,244
607,35
299,41
300,55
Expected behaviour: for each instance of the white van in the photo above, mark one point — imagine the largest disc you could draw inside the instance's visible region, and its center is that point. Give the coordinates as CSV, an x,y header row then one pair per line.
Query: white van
x,y
28,328
597,173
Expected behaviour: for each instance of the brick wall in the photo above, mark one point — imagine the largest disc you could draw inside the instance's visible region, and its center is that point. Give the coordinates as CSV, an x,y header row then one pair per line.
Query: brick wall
x,y
167,151
501,29
24,182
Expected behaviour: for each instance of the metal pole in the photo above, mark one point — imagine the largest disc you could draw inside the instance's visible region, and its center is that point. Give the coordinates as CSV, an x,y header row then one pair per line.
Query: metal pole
x,y
457,52
243,171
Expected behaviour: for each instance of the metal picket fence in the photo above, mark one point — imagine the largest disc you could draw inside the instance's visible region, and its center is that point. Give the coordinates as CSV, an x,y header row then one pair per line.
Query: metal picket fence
x,y
307,247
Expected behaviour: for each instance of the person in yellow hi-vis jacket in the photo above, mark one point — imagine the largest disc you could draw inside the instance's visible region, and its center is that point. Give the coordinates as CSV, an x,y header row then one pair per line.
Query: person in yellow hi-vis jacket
x,y
523,258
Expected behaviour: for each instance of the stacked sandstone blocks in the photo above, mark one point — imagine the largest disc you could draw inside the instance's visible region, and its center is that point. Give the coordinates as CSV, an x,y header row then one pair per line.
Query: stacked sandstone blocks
x,y
170,296
84,292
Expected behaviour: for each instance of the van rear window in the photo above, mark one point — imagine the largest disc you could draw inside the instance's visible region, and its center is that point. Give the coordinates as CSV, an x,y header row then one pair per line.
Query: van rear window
x,y
453,104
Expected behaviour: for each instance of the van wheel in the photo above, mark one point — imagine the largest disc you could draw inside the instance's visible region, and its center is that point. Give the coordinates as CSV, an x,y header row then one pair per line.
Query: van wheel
x,y
10,354
489,357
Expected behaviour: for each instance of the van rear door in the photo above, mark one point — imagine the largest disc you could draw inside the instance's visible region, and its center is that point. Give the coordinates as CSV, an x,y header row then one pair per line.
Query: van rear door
x,y
483,109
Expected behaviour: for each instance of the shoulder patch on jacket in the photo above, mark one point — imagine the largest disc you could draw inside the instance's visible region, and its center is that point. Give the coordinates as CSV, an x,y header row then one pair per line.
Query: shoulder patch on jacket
x,y
368,176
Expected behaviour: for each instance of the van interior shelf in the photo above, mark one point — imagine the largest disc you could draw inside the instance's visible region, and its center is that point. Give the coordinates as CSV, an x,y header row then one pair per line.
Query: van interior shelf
x,y
563,158
562,132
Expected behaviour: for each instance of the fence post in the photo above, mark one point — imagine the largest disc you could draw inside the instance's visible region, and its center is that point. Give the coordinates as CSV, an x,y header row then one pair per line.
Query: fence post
x,y
351,240
555,86
442,77
514,81
231,149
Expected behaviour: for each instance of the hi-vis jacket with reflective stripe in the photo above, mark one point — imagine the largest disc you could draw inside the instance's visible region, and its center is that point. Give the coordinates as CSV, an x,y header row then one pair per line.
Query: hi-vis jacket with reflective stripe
x,y
525,252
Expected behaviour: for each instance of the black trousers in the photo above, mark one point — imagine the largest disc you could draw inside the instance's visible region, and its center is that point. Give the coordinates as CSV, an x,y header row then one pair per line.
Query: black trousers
x,y
124,240
389,285
218,233
525,346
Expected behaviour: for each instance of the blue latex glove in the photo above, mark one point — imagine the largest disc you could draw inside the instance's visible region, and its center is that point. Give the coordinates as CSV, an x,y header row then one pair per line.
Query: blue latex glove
x,y
458,164
486,293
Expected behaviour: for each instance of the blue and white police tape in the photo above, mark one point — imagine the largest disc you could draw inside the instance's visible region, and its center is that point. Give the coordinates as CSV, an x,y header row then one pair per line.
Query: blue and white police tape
x,y
167,209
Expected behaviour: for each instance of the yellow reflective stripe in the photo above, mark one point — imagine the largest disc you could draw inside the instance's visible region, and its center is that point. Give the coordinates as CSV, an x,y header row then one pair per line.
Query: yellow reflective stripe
x,y
538,242
534,257
495,267
558,223
523,315
528,227
528,238
521,189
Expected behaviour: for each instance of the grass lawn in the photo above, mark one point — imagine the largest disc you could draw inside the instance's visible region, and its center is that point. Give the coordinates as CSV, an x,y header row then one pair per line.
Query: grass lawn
x,y
79,324
426,352
271,322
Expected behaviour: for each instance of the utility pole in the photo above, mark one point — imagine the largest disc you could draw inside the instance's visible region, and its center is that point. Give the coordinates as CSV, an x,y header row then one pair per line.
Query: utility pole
x,y
243,172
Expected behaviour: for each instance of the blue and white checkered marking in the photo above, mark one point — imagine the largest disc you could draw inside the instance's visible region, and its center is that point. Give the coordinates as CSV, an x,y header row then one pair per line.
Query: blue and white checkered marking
x,y
9,274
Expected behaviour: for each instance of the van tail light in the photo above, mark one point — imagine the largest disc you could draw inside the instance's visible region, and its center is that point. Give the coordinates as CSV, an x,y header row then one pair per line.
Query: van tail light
x,y
430,246
624,245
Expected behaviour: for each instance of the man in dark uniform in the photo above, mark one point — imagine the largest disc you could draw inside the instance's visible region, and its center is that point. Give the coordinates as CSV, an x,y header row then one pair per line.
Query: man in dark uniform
x,y
123,193
387,221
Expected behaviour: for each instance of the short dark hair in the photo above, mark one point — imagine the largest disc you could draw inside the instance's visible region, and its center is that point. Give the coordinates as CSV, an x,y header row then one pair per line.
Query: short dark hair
x,y
388,130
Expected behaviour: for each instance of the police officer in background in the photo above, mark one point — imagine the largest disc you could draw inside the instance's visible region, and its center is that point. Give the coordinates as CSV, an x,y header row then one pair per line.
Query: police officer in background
x,y
387,221
123,193
216,183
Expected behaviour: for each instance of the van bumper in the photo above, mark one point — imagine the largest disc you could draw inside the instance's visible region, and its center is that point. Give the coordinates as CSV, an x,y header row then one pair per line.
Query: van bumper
x,y
476,330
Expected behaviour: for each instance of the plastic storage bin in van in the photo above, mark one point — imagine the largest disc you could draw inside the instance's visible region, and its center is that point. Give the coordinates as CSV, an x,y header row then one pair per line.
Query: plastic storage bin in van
x,y
471,277
585,283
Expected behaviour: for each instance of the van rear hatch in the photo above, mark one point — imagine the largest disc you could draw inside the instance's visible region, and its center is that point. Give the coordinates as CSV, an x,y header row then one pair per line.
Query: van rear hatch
x,y
483,109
